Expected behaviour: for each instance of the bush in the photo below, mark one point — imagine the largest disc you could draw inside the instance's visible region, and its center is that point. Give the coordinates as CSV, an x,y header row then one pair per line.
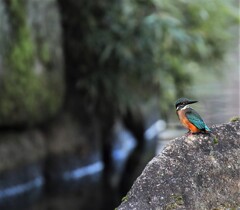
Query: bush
x,y
143,48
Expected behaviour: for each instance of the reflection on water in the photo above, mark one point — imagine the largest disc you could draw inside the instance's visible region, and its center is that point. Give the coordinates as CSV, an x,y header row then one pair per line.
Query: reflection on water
x,y
21,188
166,136
124,143
154,130
83,171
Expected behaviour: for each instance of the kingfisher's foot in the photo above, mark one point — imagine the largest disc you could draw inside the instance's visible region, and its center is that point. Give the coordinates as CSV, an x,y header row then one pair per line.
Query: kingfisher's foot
x,y
196,133
201,132
206,132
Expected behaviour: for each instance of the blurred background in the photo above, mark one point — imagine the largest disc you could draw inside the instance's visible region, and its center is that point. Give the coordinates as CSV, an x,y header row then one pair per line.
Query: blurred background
x,y
87,92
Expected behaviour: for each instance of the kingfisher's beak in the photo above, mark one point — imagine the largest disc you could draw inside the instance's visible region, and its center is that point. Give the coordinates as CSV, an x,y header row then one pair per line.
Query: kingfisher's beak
x,y
192,102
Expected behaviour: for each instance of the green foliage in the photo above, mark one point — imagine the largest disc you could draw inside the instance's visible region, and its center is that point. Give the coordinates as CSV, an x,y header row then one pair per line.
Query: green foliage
x,y
145,48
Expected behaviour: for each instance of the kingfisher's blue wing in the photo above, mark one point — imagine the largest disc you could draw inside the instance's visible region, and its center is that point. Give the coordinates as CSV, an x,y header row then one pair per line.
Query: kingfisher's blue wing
x,y
196,120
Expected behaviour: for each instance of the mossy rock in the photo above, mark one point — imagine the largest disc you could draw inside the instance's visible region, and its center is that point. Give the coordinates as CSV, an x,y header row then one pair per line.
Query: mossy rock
x,y
31,76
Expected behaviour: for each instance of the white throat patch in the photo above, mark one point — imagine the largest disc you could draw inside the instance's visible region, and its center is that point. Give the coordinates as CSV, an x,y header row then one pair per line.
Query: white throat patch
x,y
185,107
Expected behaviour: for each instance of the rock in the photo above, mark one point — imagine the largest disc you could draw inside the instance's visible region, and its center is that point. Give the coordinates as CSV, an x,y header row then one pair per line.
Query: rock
x,y
66,135
20,148
31,64
196,172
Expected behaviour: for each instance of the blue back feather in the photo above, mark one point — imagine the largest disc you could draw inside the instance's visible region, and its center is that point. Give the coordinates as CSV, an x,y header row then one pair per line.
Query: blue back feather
x,y
196,119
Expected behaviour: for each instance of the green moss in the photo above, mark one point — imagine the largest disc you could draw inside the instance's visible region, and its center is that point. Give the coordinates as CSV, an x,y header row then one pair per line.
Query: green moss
x,y
25,93
225,207
44,53
235,119
125,198
21,54
177,200
215,140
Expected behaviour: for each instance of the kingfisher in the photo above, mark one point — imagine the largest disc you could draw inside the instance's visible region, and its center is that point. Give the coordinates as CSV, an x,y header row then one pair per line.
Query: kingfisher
x,y
189,117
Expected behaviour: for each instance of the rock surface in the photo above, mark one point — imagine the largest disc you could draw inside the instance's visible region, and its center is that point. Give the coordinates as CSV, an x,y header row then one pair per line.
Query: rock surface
x,y
21,148
195,172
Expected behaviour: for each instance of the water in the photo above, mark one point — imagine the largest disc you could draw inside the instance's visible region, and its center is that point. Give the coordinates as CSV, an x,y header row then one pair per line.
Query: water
x,y
81,172
19,189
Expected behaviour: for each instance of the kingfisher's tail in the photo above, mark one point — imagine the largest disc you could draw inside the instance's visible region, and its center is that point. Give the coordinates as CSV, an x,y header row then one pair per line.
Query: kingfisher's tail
x,y
207,128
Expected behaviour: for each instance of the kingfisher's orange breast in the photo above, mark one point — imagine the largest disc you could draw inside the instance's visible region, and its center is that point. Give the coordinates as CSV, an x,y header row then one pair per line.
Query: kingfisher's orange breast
x,y
183,119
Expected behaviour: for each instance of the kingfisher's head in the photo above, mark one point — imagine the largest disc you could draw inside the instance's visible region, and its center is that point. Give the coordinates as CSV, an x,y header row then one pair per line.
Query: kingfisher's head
x,y
181,103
